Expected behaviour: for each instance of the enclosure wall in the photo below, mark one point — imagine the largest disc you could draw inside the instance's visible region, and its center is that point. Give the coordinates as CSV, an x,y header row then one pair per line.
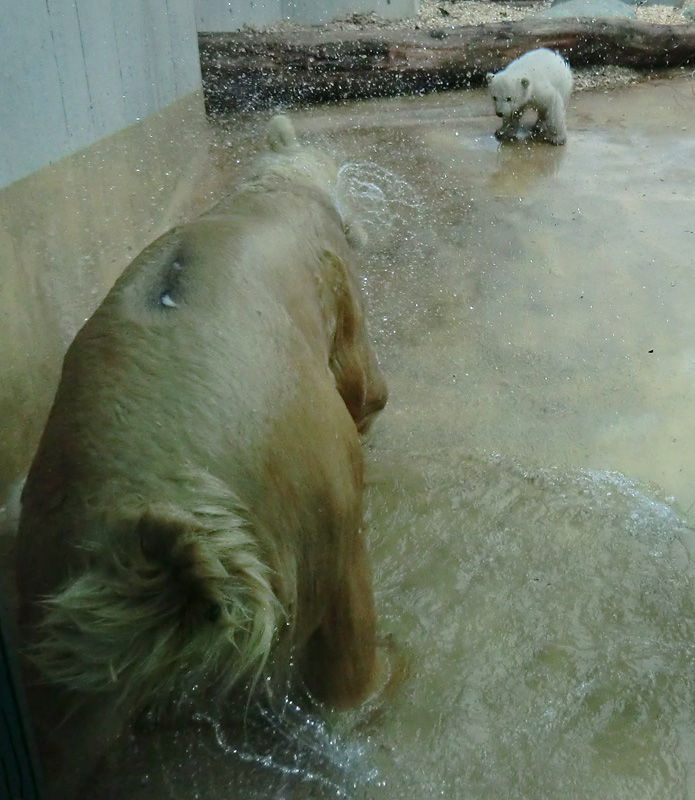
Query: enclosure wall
x,y
75,71
104,144
228,15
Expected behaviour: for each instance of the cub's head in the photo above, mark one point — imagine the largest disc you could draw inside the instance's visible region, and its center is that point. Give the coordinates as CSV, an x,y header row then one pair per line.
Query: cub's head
x,y
509,93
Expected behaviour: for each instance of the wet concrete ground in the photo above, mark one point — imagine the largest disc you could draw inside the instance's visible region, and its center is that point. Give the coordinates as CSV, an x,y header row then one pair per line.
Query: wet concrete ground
x,y
533,311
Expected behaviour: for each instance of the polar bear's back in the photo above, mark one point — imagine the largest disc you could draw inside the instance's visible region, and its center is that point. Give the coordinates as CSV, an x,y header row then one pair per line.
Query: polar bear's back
x,y
540,66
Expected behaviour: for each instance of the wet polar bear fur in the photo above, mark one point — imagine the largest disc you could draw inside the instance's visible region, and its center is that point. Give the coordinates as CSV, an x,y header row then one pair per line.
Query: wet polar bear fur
x,y
540,80
191,520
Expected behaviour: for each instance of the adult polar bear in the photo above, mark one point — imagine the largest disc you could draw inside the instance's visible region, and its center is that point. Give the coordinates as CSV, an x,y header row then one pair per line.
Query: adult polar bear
x,y
192,517
540,80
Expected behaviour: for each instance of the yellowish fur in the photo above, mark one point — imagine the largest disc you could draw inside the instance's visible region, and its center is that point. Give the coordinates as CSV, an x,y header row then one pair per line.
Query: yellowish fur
x,y
191,521
136,622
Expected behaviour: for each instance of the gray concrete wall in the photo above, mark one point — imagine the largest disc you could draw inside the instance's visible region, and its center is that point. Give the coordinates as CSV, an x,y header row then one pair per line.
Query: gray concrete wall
x,y
228,15
75,71
104,144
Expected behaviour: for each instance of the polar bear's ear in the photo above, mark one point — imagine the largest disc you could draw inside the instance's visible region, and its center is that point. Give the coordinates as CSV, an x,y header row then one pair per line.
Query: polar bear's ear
x,y
525,82
281,136
489,77
355,234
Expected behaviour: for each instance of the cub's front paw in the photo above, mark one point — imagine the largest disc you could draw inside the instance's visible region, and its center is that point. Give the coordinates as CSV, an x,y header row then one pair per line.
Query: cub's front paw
x,y
506,134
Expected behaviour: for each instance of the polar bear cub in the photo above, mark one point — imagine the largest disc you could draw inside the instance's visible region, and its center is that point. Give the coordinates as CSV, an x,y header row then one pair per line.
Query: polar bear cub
x,y
541,80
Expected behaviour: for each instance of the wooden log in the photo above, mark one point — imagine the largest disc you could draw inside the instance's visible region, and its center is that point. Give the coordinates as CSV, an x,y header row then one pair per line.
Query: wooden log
x,y
248,70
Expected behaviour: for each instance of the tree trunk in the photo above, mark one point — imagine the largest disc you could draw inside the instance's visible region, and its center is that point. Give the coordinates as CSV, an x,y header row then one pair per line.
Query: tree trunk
x,y
249,71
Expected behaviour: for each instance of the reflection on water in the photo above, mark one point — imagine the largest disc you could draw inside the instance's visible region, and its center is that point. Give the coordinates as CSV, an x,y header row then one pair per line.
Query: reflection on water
x,y
531,479
539,301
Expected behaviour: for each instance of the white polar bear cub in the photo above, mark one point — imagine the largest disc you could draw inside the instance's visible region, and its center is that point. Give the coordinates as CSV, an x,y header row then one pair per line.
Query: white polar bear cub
x,y
540,79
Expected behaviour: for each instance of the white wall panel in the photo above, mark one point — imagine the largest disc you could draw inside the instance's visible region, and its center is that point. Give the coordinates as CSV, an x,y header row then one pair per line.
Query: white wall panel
x,y
74,71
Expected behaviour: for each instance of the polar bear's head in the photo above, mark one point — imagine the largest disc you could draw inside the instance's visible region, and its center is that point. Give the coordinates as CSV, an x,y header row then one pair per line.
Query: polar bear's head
x,y
509,92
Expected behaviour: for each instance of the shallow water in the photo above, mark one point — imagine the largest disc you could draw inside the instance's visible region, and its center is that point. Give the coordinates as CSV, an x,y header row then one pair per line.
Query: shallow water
x,y
549,616
531,479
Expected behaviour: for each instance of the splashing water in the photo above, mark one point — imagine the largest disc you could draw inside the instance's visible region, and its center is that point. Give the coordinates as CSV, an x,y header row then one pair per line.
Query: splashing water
x,y
378,198
304,748
286,751
389,210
